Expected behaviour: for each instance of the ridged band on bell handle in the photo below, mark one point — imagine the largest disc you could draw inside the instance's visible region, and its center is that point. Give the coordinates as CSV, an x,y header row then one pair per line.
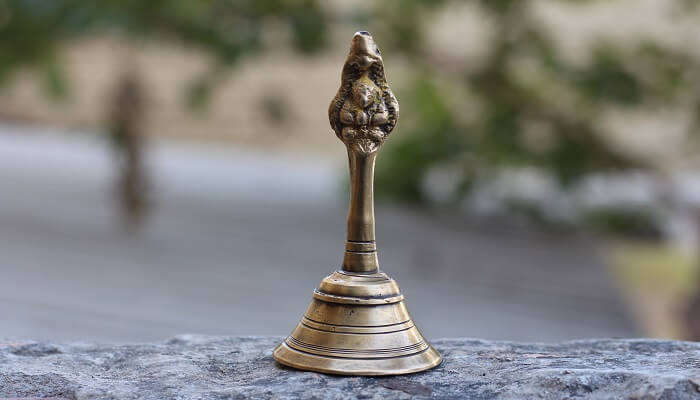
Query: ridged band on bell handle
x,y
357,322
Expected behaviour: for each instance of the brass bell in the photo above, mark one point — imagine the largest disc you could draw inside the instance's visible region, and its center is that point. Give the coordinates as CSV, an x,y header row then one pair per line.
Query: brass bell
x,y
357,322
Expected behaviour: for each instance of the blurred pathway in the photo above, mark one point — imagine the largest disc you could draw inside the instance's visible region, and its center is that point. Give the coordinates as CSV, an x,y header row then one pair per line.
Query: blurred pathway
x,y
237,243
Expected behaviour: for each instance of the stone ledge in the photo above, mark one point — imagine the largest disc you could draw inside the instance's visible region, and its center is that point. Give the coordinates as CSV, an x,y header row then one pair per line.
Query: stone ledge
x,y
210,367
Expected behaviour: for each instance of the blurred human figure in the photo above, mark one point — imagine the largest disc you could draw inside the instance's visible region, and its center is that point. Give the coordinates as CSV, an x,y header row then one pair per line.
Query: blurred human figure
x,y
126,124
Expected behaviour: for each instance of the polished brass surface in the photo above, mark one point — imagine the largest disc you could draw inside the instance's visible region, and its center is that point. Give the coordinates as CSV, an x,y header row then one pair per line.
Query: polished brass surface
x,y
357,322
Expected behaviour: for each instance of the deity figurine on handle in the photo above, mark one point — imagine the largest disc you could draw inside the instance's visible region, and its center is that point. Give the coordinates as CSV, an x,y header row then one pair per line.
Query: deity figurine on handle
x,y
357,322
364,111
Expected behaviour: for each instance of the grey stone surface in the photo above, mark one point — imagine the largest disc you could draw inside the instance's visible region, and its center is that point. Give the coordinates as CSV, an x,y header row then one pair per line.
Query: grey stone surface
x,y
213,367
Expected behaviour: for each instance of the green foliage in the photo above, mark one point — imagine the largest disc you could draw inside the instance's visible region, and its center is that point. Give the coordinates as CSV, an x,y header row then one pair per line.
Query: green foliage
x,y
624,221
275,108
54,80
198,93
434,137
523,87
309,27
500,6
606,79
402,21
31,31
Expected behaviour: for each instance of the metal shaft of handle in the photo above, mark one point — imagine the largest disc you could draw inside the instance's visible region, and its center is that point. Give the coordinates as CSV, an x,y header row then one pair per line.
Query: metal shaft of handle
x,y
361,248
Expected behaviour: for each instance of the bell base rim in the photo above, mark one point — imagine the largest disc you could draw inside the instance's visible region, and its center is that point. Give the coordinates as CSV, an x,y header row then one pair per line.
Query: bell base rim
x,y
402,365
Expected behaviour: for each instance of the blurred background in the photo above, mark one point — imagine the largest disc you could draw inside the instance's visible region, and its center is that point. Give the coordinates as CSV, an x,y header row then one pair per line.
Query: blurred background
x,y
167,167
